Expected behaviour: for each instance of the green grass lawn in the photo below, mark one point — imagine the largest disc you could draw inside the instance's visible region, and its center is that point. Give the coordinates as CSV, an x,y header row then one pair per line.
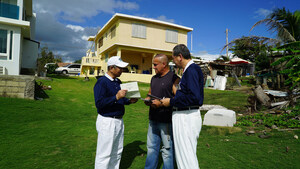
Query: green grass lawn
x,y
59,132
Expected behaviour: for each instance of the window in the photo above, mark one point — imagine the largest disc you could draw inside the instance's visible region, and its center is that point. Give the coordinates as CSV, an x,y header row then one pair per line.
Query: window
x,y
100,42
171,36
3,41
74,66
138,30
113,32
6,44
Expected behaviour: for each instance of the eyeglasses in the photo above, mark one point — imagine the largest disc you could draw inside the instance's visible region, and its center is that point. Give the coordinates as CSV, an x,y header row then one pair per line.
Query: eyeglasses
x,y
114,66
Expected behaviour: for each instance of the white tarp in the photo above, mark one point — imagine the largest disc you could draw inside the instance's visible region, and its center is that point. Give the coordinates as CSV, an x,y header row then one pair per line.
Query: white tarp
x,y
220,82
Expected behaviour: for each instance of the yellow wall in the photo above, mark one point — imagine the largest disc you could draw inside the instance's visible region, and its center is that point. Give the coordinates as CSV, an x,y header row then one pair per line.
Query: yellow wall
x,y
108,40
155,35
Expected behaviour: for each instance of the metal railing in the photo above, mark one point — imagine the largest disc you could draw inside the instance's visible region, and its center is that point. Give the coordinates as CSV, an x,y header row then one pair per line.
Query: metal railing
x,y
90,60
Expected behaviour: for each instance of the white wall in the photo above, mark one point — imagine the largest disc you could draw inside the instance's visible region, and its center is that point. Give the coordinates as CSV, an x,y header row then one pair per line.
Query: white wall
x,y
13,66
32,26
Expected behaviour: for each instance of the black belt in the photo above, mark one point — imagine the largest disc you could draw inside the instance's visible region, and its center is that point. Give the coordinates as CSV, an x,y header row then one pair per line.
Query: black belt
x,y
114,117
117,117
185,108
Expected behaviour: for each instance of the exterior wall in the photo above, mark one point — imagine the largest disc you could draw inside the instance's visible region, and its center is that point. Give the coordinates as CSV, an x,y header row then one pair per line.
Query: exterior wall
x,y
24,52
13,66
32,26
108,40
155,35
29,54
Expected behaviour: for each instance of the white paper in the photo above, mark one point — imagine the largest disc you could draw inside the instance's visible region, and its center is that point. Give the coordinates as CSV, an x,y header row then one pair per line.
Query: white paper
x,y
132,89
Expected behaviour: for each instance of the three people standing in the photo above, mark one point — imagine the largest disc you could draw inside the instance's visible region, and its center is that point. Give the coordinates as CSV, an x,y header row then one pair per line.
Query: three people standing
x,y
185,120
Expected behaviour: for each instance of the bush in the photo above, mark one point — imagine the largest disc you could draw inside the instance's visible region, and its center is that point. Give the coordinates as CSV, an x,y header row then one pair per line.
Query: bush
x,y
51,68
288,119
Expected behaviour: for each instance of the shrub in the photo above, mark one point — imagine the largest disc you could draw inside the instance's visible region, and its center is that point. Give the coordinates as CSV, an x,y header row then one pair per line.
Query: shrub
x,y
51,68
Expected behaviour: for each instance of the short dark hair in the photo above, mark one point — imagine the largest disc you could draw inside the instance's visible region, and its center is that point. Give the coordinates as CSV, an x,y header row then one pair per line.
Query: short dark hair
x,y
183,50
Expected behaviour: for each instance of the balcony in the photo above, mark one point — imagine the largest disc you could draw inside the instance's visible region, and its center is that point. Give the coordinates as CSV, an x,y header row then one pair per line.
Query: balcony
x,y
9,11
90,61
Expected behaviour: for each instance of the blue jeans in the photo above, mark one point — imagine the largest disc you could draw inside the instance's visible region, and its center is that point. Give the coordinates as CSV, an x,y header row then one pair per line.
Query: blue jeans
x,y
160,132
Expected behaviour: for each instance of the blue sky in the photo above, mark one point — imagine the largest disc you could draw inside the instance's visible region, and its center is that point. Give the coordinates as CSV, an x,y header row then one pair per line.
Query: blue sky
x,y
64,25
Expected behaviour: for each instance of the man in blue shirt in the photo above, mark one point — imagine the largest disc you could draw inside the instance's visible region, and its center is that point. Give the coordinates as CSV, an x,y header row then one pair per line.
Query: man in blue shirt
x,y
186,117
110,101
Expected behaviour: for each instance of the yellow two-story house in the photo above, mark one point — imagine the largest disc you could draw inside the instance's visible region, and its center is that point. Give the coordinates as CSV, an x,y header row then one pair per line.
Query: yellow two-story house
x,y
136,40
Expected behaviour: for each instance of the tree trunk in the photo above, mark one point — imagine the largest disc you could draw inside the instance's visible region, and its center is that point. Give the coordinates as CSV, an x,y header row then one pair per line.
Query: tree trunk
x,y
262,97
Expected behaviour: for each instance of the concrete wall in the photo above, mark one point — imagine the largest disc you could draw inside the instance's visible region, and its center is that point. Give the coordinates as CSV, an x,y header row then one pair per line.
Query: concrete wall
x,y
17,86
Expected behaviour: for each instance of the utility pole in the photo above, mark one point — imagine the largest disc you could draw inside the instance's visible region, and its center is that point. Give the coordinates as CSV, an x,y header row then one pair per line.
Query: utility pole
x,y
227,43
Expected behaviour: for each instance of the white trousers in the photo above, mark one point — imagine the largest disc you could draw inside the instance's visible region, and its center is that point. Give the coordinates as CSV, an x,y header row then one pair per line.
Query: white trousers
x,y
186,129
109,143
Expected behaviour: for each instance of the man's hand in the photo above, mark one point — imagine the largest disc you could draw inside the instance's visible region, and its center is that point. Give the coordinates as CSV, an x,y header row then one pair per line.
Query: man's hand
x,y
156,103
166,102
133,100
121,94
148,103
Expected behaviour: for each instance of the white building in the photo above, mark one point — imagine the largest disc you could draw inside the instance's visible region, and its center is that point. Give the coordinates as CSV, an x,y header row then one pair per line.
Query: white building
x,y
18,50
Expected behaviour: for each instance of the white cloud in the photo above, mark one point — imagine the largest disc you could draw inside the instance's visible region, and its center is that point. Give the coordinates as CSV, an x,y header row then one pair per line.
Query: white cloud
x,y
164,18
75,28
64,40
206,56
78,10
68,40
262,13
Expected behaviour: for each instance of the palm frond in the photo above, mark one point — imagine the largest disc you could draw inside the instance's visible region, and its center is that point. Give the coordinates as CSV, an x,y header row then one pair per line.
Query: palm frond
x,y
276,26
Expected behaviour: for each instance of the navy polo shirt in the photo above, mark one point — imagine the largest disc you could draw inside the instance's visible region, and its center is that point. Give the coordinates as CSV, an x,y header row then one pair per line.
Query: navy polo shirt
x,y
190,92
105,91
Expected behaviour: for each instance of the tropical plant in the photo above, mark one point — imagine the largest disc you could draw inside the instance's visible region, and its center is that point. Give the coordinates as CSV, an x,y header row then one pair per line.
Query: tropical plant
x,y
223,58
291,63
285,23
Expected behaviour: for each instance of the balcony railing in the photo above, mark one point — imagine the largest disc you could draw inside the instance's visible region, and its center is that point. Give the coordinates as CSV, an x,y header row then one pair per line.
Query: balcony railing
x,y
9,11
90,61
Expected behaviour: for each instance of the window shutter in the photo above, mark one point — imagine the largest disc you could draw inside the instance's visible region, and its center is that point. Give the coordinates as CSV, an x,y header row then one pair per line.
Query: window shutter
x,y
138,30
171,36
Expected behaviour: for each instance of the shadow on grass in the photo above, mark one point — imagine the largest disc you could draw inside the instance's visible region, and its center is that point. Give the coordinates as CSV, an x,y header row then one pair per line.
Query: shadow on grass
x,y
39,93
59,76
131,151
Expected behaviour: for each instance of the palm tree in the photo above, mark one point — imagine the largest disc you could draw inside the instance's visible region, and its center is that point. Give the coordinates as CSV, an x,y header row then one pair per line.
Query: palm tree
x,y
285,23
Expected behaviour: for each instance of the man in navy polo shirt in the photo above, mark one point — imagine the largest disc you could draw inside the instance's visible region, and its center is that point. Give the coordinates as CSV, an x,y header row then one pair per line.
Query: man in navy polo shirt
x,y
186,117
110,101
